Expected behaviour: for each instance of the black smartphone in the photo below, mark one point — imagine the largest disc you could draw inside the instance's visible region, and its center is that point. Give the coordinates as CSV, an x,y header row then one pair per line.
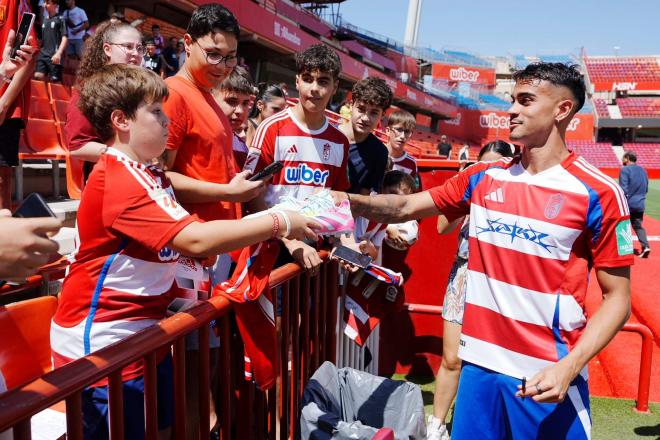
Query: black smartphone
x,y
268,171
22,34
350,256
33,206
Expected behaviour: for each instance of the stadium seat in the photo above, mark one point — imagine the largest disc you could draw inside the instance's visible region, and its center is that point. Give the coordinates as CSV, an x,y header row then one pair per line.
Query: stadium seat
x,y
59,92
40,109
599,154
38,89
25,328
60,108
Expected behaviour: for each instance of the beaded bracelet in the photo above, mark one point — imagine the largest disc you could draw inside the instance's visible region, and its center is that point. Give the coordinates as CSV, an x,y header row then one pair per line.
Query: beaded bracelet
x,y
276,225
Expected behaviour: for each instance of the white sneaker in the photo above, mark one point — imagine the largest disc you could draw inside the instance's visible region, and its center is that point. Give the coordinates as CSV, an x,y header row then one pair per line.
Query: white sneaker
x,y
435,429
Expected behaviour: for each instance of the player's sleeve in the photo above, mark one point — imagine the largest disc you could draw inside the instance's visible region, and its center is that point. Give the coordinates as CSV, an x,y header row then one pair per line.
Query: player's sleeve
x,y
341,182
608,219
176,110
262,151
453,197
144,213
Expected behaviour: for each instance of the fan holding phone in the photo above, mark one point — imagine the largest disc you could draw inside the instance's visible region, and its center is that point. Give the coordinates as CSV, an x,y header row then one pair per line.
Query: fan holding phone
x,y
15,69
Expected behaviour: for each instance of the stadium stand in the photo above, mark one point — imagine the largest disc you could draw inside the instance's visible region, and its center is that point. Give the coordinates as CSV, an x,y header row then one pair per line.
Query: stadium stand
x,y
639,107
623,68
599,154
601,108
648,155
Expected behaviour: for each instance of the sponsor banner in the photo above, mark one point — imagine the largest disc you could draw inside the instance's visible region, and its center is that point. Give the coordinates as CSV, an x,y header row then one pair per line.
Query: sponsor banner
x,y
607,86
423,100
485,125
423,120
467,74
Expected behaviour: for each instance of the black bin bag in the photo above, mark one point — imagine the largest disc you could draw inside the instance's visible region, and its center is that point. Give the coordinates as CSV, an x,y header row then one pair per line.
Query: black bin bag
x,y
349,404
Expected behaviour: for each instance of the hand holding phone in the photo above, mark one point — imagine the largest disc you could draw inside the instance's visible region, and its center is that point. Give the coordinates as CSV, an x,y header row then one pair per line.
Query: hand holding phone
x,y
22,34
267,172
350,256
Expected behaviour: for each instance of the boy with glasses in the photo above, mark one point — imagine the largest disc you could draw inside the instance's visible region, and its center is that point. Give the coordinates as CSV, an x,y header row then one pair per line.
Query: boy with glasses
x,y
400,126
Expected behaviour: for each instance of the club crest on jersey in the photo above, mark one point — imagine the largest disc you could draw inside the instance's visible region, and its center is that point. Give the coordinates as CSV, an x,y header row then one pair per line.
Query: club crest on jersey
x,y
168,254
326,152
553,207
306,174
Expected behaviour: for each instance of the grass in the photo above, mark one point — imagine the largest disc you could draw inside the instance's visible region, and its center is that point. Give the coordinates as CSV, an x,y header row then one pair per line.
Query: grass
x,y
653,200
613,419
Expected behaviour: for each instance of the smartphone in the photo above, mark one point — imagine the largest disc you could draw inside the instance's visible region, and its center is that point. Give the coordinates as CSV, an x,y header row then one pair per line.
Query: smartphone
x,y
22,34
33,206
268,171
350,256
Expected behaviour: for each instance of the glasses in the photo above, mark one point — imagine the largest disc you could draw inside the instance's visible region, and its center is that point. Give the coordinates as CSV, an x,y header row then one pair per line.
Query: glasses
x,y
215,58
398,131
130,47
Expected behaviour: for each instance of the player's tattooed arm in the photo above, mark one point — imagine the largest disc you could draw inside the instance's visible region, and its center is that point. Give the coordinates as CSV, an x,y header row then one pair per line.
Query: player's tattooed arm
x,y
391,208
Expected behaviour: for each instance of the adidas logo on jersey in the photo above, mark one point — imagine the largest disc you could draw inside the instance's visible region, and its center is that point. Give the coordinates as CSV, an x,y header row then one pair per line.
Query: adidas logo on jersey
x,y
292,150
496,196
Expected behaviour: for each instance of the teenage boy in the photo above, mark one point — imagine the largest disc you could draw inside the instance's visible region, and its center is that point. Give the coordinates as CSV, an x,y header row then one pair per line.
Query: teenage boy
x,y
367,156
120,280
235,98
53,43
76,23
313,152
400,127
531,252
153,60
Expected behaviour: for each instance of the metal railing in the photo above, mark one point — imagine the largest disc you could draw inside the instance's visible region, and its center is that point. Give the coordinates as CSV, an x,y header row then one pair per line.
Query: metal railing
x,y
304,341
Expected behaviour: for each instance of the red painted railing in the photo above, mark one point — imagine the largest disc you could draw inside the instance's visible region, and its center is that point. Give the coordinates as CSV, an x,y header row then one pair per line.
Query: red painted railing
x,y
645,361
303,338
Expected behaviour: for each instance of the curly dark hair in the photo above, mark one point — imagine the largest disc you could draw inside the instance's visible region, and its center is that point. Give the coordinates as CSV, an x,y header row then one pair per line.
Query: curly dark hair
x,y
318,57
118,87
558,74
94,57
373,91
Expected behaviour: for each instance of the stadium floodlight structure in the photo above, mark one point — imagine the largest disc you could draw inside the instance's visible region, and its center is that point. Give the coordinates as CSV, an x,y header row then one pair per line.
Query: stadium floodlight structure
x,y
412,24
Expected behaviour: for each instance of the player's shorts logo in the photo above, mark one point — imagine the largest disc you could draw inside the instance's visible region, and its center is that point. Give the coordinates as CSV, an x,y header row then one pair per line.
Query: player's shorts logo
x,y
553,207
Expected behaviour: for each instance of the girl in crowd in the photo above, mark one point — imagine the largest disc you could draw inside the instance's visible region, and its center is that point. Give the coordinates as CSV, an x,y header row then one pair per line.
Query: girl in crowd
x,y
113,43
446,382
270,100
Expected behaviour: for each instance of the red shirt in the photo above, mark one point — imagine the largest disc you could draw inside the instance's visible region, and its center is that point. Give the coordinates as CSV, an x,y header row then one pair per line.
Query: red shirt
x,y
201,135
78,131
11,12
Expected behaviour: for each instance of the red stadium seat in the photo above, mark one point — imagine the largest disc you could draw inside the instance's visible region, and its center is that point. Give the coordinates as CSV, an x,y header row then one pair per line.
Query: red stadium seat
x,y
60,108
38,89
40,109
59,92
42,140
25,328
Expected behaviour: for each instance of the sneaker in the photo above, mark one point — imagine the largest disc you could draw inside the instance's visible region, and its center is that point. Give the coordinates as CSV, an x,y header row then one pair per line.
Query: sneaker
x,y
335,221
435,429
645,252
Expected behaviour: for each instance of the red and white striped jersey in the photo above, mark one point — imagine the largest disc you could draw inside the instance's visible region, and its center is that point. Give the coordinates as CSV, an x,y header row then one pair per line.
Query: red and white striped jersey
x,y
312,159
533,240
120,278
405,163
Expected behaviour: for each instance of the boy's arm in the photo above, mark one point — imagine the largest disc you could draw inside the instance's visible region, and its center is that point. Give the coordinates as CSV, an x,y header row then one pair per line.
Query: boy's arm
x,y
601,328
57,58
21,77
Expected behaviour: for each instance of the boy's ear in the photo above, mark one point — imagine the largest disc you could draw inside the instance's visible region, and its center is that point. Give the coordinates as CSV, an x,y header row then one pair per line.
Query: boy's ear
x,y
564,110
119,121
187,43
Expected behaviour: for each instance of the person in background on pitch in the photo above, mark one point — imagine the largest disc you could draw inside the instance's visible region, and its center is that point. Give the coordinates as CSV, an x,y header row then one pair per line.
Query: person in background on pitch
x,y
446,381
444,147
635,184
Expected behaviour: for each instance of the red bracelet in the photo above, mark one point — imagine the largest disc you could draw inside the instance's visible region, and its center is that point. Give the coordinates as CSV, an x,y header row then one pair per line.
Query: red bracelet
x,y
276,225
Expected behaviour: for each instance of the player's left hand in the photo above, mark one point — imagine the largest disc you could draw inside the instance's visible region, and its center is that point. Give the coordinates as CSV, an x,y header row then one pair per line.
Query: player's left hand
x,y
550,385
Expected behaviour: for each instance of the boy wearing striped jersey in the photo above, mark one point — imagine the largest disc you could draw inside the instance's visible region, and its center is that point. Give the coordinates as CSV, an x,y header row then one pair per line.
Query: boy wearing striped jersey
x,y
131,233
538,224
314,153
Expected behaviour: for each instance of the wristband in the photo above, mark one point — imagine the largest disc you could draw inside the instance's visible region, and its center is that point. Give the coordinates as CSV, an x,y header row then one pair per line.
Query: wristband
x,y
287,222
276,225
